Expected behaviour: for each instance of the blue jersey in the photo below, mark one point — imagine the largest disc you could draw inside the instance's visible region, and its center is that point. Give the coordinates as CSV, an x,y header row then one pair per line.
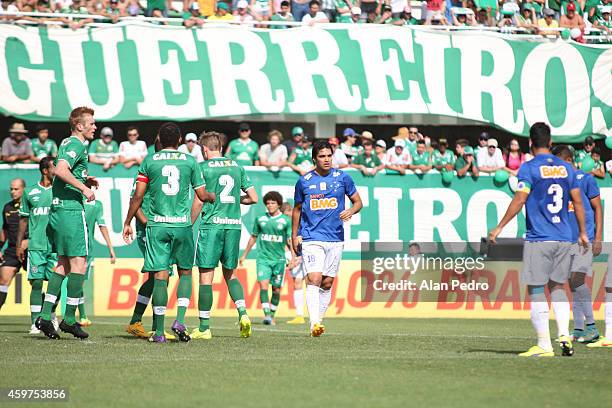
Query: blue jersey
x,y
322,200
548,181
588,190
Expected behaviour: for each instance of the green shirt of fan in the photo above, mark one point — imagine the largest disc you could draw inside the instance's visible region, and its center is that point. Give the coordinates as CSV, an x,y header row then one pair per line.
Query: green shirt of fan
x,y
369,162
280,17
442,159
461,162
580,155
73,151
486,3
244,153
227,179
423,159
99,148
170,175
410,145
35,206
272,234
302,155
40,150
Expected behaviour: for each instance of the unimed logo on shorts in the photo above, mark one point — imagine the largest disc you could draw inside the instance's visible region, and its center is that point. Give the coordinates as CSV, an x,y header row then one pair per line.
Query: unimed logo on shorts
x,y
323,203
553,171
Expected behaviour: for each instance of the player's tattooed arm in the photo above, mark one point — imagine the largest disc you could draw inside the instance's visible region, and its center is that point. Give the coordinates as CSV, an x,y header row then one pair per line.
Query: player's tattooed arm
x,y
596,204
517,203
355,208
250,198
23,226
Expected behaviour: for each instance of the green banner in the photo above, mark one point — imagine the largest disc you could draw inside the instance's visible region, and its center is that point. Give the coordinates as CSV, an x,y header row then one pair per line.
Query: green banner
x,y
396,208
145,72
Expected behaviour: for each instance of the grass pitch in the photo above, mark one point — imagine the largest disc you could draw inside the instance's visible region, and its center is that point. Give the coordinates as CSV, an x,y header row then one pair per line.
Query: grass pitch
x,y
357,363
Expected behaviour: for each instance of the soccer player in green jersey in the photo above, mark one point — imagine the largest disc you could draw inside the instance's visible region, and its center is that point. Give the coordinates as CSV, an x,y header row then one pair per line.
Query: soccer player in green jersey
x,y
219,234
93,215
168,175
272,232
34,213
67,230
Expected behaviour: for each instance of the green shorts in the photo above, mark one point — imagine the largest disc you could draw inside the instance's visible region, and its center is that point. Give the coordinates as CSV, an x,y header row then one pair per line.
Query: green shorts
x,y
271,271
167,245
67,232
141,239
218,245
41,264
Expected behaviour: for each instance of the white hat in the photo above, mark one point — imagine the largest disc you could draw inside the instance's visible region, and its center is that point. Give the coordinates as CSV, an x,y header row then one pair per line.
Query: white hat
x,y
106,131
492,143
355,10
399,142
191,136
381,143
242,4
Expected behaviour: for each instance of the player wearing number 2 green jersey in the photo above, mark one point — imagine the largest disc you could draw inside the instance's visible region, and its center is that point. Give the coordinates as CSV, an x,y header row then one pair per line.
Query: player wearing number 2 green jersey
x,y
219,235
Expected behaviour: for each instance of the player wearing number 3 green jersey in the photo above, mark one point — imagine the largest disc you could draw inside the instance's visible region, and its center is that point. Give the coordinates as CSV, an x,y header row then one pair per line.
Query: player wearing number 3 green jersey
x,y
167,176
219,235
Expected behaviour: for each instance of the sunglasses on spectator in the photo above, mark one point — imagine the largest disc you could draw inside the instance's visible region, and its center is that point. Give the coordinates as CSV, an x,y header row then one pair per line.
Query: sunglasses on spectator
x,y
244,130
191,141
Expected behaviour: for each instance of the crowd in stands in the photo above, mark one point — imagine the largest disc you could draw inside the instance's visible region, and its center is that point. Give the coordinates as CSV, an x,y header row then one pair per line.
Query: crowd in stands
x,y
543,17
408,150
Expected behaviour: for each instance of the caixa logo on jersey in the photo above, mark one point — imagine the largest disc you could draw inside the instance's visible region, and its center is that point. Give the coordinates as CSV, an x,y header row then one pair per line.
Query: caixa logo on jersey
x,y
319,202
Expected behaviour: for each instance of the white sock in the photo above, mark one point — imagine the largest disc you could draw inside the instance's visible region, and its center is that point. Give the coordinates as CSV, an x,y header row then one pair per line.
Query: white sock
x,y
577,311
324,299
539,319
561,308
584,294
608,311
312,303
298,300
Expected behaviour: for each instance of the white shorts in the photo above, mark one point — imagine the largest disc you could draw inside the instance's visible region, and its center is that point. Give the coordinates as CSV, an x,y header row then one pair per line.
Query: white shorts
x,y
298,271
582,263
318,256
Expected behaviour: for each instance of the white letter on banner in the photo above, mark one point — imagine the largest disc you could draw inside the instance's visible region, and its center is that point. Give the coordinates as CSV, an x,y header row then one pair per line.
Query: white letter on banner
x,y
351,244
388,213
425,222
38,80
103,194
606,197
433,45
153,74
301,71
576,79
474,83
225,74
73,66
602,88
476,218
377,70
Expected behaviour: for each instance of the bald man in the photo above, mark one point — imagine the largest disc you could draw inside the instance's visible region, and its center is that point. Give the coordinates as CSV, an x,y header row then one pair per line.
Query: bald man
x,y
10,225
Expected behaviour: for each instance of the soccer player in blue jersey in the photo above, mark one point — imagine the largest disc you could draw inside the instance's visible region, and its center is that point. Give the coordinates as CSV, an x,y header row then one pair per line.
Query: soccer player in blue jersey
x,y
582,263
318,214
546,186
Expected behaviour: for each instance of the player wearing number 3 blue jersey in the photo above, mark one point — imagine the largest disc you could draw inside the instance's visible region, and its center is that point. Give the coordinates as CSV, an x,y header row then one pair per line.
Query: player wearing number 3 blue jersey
x,y
317,226
546,186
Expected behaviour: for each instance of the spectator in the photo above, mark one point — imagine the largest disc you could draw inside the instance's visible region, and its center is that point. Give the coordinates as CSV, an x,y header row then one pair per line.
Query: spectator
x,y
314,14
192,147
386,17
431,9
17,148
397,158
273,154
192,17
132,151
76,8
465,159
547,23
104,151
299,9
513,157
42,146
483,17
114,10
261,9
297,134
356,15
339,159
598,169
244,150
349,147
574,22
222,13
368,8
527,19
242,14
282,15
421,160
482,143
367,161
402,133
609,167
9,6
162,5
300,159
462,17
490,160
589,144
207,7
381,149
342,12
405,18
604,22
443,158
507,20
134,8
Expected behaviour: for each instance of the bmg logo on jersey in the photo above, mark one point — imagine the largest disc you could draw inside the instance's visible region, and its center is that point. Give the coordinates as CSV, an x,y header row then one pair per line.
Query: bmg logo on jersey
x,y
553,172
319,202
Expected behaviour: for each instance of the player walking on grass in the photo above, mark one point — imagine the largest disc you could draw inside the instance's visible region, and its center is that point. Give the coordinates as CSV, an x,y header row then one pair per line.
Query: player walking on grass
x,y
272,232
296,269
67,229
220,227
94,214
169,175
318,215
34,213
546,185
582,263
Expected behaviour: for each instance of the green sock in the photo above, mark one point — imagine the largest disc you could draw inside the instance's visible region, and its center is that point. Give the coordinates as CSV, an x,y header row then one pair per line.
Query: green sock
x,y
53,290
275,302
237,294
74,290
144,296
265,305
183,294
205,302
82,313
36,299
160,301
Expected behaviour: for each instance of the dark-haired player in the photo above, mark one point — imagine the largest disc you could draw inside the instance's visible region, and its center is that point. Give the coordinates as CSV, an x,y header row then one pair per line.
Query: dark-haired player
x,y
272,232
